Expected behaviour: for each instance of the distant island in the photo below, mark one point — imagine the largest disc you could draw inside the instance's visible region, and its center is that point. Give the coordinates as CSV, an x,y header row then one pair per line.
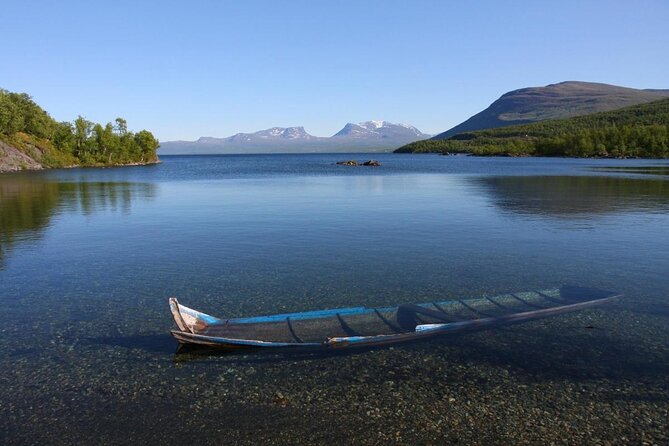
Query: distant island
x,y
31,139
601,121
369,136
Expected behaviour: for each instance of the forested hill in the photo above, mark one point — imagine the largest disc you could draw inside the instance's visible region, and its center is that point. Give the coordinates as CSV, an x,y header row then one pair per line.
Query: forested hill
x,y
636,131
31,139
555,101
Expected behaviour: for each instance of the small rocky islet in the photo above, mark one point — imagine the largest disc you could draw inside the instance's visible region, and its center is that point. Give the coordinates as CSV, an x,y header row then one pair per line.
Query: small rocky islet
x,y
369,163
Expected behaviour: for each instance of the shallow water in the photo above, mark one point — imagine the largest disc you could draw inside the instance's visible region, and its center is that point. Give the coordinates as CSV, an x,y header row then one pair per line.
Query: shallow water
x,y
88,258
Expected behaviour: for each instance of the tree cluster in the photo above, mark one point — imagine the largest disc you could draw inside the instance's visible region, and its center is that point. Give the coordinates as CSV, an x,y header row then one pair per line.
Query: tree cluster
x,y
81,142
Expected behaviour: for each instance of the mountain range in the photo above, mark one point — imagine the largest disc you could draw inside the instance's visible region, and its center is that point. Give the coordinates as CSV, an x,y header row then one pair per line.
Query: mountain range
x,y
365,136
554,101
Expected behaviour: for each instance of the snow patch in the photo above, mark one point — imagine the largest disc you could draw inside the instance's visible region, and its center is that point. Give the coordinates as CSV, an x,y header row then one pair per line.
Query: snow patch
x,y
373,124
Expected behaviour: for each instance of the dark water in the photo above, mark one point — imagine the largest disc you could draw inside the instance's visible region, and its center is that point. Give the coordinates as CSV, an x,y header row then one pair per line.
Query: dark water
x,y
88,258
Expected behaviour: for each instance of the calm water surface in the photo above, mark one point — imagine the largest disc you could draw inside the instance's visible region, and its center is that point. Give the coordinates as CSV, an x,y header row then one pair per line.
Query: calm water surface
x,y
88,258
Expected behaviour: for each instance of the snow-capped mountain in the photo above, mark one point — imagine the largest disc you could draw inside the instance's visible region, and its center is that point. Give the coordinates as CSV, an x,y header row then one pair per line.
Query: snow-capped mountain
x,y
374,136
379,130
262,136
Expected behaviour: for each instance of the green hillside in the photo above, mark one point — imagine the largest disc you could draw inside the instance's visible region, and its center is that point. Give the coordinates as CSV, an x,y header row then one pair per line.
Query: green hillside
x,y
31,139
636,131
555,101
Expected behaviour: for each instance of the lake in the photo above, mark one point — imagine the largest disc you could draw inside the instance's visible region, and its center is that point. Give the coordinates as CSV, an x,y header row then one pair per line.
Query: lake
x,y
89,257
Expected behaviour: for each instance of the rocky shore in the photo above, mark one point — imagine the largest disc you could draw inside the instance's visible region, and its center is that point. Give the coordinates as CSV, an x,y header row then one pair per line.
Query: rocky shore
x,y
14,160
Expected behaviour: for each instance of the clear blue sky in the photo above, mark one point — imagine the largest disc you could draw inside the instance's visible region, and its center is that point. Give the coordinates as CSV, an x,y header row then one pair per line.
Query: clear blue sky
x,y
213,68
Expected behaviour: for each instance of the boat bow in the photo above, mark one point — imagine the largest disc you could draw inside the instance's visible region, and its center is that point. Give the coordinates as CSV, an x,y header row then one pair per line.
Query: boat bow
x,y
189,320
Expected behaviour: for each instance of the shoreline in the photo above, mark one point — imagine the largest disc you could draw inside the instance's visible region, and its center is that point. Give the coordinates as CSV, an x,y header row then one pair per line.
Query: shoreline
x,y
40,167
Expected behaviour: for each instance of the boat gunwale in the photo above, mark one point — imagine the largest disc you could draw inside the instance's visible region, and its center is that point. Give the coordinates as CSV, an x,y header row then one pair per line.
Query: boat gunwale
x,y
346,311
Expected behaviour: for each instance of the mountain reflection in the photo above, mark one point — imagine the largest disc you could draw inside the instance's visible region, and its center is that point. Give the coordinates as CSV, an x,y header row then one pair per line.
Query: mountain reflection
x,y
27,204
575,196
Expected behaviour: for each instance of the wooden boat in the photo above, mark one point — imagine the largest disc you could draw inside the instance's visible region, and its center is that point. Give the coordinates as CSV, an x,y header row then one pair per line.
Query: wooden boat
x,y
366,327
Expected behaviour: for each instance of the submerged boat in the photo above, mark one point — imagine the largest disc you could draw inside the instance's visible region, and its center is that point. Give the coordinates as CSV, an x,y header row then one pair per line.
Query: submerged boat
x,y
367,327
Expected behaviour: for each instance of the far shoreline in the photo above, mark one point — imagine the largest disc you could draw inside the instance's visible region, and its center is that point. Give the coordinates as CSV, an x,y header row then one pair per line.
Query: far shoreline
x,y
461,155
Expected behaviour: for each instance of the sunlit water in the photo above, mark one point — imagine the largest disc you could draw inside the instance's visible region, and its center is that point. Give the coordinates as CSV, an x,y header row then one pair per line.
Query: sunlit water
x,y
88,258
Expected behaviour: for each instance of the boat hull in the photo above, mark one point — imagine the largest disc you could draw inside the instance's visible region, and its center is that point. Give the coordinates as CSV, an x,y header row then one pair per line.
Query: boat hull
x,y
295,331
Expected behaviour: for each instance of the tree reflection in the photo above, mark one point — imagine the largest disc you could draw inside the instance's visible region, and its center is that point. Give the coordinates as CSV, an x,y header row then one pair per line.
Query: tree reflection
x,y
575,196
27,204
